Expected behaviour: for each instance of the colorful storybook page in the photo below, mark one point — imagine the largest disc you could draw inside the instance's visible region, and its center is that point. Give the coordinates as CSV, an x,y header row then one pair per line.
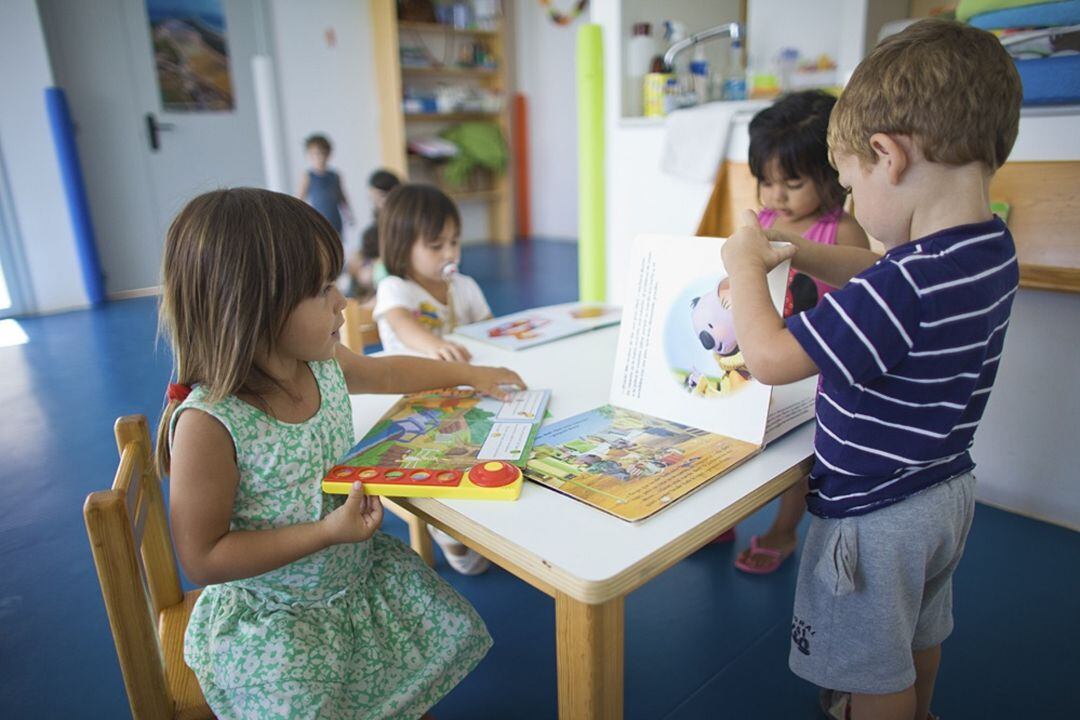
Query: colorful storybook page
x,y
683,407
530,328
678,357
629,464
452,430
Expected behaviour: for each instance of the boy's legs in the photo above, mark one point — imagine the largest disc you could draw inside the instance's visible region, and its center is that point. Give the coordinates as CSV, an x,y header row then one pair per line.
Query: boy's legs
x,y
912,703
874,600
926,668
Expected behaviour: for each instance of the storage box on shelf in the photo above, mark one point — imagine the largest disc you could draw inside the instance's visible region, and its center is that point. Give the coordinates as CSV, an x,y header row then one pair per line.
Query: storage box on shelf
x,y
432,75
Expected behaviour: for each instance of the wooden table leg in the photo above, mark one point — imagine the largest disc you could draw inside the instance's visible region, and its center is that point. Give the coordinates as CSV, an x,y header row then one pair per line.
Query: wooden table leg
x,y
419,539
589,658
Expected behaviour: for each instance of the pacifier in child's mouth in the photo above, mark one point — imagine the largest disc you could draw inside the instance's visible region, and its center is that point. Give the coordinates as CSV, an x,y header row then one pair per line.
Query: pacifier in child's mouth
x,y
449,270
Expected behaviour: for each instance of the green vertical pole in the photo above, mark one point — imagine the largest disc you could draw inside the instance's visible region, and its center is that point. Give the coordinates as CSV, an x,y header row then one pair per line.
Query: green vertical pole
x,y
590,98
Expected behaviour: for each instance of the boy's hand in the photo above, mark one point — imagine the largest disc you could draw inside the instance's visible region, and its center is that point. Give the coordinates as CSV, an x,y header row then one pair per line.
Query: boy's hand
x,y
748,249
450,351
495,381
356,520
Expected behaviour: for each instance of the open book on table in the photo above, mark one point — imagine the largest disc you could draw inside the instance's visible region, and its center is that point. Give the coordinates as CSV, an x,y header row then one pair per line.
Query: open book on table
x,y
451,429
541,325
683,408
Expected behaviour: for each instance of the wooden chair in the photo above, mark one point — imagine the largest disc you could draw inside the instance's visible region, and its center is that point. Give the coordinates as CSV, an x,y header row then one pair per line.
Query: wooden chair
x,y
359,329
136,566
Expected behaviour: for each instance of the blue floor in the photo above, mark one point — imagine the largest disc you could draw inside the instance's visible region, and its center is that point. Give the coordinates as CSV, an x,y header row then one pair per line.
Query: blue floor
x,y
702,640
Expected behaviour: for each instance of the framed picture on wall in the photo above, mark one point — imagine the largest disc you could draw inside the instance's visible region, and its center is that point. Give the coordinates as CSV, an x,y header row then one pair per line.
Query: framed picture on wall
x,y
191,54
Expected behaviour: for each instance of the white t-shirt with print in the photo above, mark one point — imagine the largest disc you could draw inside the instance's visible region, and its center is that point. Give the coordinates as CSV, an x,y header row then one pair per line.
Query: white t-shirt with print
x,y
468,302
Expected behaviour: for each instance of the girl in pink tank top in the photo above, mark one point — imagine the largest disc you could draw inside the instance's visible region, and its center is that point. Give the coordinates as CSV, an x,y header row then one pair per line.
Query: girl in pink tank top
x,y
799,189
800,192
800,296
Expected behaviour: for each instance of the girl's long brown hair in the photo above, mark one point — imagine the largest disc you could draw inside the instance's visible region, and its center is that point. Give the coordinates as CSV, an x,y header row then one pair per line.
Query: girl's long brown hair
x,y
236,263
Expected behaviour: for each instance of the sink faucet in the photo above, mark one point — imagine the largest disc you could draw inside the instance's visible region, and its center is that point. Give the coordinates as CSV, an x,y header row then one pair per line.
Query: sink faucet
x,y
732,30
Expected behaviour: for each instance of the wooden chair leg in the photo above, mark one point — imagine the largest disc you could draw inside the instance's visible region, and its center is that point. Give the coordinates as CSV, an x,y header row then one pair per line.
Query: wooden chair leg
x,y
419,539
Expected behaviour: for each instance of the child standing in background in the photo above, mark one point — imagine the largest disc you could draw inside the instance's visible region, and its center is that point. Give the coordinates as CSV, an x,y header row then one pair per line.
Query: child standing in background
x,y
424,297
908,348
307,610
800,194
364,266
321,187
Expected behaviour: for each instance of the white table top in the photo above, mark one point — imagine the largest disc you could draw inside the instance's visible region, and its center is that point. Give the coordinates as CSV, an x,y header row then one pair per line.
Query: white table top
x,y
576,548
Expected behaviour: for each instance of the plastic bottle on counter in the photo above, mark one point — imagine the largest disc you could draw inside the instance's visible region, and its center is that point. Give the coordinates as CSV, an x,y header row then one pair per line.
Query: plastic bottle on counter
x,y
699,75
735,79
640,49
655,87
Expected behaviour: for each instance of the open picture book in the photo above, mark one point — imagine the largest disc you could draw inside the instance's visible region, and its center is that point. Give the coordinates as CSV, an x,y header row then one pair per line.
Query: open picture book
x,y
683,408
451,429
530,328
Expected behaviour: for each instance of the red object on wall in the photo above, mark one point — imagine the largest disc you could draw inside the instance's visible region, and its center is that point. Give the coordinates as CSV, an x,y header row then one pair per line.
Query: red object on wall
x,y
521,165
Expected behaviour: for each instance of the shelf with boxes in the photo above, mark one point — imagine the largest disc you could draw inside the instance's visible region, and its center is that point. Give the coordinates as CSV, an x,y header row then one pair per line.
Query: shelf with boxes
x,y
443,81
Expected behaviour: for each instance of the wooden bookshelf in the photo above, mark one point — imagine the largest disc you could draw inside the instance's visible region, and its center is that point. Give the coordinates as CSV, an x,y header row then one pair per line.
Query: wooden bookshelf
x,y
445,29
450,71
450,117
395,125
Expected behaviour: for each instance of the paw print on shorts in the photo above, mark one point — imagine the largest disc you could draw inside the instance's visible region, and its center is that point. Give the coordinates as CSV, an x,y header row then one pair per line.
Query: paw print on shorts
x,y
801,632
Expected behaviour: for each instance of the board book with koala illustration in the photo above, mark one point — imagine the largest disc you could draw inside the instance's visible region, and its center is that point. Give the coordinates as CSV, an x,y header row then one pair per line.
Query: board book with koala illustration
x,y
683,407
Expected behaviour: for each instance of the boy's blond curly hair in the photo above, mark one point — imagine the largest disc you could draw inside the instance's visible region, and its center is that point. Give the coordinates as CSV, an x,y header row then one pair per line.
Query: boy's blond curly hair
x,y
950,87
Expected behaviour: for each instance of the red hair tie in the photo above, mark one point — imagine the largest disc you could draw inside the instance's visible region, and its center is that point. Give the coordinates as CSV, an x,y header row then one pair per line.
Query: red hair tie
x,y
177,392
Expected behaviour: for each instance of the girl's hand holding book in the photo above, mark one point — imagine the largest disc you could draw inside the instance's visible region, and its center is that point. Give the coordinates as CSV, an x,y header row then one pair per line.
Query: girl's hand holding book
x,y
356,520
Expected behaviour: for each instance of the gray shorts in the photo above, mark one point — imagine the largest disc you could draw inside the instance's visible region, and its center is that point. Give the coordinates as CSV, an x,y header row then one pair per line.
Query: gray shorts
x,y
874,588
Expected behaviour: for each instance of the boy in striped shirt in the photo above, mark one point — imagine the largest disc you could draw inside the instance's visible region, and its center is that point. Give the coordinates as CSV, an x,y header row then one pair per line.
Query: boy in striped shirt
x,y
907,349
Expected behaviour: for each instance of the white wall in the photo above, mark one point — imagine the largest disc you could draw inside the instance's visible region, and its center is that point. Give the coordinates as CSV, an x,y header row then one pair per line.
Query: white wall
x,y
1026,450
41,222
328,89
545,73
812,27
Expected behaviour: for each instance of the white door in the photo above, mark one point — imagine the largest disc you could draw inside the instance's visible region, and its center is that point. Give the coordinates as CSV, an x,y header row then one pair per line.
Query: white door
x,y
103,56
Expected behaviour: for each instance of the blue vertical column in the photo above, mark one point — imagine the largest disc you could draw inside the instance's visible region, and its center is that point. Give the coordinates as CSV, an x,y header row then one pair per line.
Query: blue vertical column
x,y
63,133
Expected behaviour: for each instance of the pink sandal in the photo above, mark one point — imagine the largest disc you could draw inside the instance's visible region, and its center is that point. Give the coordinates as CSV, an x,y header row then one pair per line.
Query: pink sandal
x,y
776,559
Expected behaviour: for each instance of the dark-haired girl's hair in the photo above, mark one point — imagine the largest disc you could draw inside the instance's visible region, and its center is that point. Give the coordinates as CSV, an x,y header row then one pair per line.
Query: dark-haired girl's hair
x,y
793,132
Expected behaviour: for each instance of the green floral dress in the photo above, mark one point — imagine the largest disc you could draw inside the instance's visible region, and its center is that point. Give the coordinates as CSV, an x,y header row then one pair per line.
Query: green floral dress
x,y
362,630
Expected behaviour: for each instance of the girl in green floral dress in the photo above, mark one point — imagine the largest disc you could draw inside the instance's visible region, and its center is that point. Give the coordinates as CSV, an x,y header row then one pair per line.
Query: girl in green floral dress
x,y
308,611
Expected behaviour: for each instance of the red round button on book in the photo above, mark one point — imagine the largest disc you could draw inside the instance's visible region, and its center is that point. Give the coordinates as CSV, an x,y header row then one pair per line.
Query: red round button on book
x,y
494,474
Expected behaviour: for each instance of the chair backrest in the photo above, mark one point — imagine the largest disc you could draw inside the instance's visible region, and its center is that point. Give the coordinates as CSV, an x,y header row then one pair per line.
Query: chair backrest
x,y
136,566
359,329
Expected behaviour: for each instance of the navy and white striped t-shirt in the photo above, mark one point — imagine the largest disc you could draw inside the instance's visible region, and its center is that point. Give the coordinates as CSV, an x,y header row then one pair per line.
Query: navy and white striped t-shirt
x,y
908,351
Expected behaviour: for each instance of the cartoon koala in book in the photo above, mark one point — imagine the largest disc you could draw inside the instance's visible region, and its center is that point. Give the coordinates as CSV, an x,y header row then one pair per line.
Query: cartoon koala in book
x,y
714,325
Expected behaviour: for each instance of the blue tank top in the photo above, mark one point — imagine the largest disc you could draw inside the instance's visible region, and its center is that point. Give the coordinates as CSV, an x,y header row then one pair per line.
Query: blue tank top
x,y
324,194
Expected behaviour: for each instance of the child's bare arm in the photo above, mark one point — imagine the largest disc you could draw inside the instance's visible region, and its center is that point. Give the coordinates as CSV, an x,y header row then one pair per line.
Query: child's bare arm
x,y
202,489
850,234
415,336
302,193
405,374
771,352
832,264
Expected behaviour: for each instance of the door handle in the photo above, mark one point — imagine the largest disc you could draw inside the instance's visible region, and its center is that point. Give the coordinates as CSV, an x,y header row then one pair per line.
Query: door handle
x,y
153,128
